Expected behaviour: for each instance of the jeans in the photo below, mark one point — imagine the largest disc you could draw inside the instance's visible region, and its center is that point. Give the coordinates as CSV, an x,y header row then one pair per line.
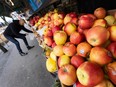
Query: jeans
x,y
17,44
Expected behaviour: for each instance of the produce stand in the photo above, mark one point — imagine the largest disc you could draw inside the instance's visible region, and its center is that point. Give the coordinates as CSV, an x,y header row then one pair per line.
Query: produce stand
x,y
44,24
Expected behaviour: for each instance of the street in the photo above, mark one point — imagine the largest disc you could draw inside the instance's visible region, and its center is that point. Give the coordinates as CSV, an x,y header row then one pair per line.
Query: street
x,y
24,71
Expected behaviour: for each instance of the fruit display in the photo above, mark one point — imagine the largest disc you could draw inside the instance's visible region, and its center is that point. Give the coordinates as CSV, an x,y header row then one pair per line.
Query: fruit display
x,y
82,47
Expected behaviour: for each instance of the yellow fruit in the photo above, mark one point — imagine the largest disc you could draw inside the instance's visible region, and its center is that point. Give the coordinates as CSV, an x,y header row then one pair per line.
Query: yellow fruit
x,y
51,65
36,25
55,10
53,56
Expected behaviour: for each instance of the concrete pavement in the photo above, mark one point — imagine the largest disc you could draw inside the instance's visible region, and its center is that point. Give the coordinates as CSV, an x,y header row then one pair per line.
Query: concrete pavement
x,y
26,71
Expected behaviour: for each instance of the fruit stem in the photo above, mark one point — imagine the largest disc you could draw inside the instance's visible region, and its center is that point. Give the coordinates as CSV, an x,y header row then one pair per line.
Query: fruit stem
x,y
65,70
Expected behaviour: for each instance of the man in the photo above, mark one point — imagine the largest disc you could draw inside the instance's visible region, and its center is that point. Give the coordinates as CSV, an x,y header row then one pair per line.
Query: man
x,y
13,31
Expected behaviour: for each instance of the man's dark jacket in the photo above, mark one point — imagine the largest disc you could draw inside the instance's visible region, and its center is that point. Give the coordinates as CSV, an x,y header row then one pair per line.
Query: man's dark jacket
x,y
14,29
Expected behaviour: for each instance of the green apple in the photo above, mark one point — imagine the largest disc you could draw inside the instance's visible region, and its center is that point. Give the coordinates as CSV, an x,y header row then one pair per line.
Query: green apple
x,y
110,20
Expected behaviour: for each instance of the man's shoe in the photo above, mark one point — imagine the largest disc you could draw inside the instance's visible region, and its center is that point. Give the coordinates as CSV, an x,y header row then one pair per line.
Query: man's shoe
x,y
23,54
30,47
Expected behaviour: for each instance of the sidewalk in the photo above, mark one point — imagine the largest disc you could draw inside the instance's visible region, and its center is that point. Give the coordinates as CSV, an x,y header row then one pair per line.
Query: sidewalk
x,y
26,71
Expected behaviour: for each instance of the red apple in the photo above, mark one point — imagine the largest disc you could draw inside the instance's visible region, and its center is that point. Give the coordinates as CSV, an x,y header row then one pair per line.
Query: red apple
x,y
92,16
111,71
97,35
60,37
83,49
72,14
112,31
61,15
48,40
100,12
53,44
69,28
49,33
69,49
112,48
85,22
76,38
67,75
78,84
77,60
100,55
49,18
69,16
89,74
80,30
55,28
74,20
63,60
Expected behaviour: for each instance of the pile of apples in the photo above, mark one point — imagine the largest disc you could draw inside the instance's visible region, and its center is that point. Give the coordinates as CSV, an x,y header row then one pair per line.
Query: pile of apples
x,y
83,47
34,20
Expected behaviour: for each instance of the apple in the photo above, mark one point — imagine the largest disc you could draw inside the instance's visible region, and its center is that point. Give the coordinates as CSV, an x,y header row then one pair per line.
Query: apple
x,y
55,28
67,75
85,32
72,14
49,18
111,71
55,16
74,20
77,60
67,19
58,22
69,28
112,31
78,84
112,48
76,38
51,65
58,50
63,60
83,49
100,22
69,16
100,56
97,35
110,20
49,32
80,30
53,44
51,24
61,15
105,83
89,74
60,37
100,12
92,16
53,56
69,49
85,22
48,40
